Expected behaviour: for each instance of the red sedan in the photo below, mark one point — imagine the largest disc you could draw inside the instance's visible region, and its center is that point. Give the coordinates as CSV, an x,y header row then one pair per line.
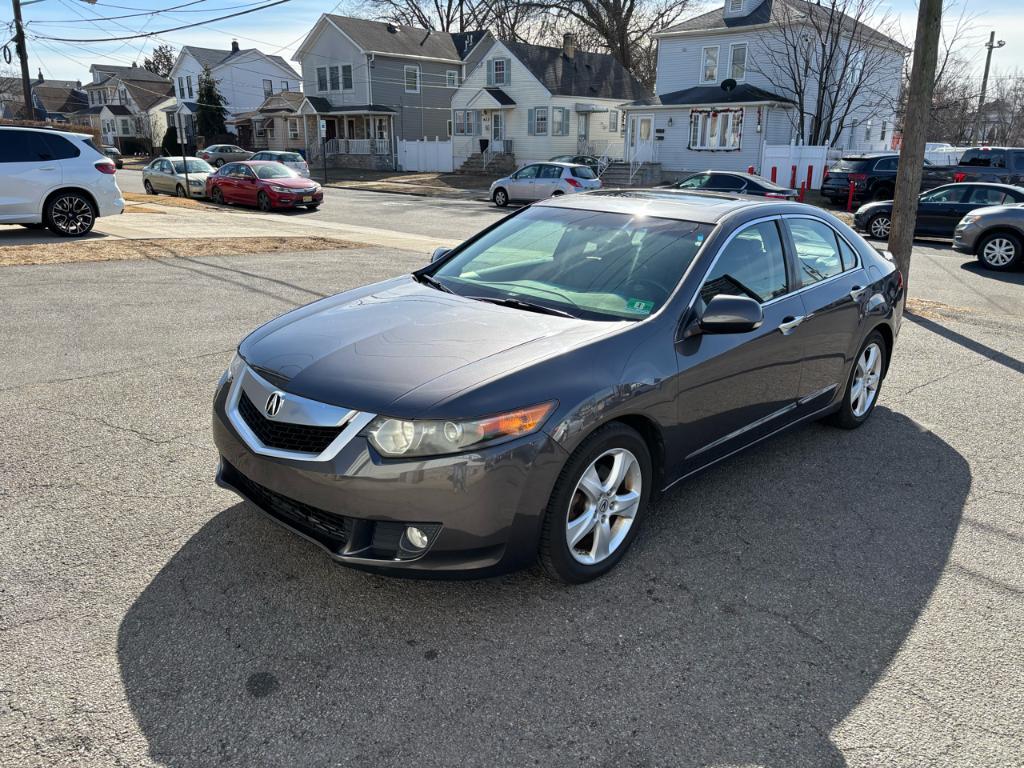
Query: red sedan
x,y
267,185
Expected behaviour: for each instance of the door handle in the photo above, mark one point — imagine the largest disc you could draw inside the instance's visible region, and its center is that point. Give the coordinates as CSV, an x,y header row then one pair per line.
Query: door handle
x,y
789,324
48,168
856,292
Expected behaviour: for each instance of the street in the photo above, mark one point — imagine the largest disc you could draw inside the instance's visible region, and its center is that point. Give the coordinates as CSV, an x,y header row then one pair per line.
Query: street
x,y
828,598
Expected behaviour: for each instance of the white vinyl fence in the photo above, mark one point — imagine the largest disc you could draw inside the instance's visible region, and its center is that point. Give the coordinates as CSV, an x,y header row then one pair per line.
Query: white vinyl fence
x,y
791,165
423,155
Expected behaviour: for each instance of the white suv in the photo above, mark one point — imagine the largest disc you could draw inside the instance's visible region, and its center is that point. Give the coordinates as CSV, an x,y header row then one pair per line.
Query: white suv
x,y
55,179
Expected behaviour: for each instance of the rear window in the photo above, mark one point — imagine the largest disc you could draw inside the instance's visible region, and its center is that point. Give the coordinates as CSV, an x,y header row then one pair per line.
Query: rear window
x,y
850,165
985,158
582,172
59,147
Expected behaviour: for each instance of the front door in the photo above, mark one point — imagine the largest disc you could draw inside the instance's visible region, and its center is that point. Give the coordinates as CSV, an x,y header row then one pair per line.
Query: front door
x,y
331,129
522,182
737,387
641,138
583,132
498,131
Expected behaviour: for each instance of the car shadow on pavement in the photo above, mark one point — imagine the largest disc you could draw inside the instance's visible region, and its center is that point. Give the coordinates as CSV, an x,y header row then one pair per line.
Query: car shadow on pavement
x,y
1016,277
1011,362
760,605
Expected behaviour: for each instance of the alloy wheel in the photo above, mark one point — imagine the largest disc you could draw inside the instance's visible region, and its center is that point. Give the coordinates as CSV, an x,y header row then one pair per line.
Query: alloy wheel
x,y
603,506
880,227
149,188
180,191
999,251
71,215
263,201
500,198
218,196
866,379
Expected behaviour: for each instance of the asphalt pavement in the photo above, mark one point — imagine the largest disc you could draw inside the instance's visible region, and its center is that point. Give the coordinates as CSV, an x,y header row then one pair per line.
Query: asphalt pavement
x,y
829,598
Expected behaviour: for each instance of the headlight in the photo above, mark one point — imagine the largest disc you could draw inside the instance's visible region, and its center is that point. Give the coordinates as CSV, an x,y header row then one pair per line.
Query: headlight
x,y
195,183
399,437
235,366
970,218
278,188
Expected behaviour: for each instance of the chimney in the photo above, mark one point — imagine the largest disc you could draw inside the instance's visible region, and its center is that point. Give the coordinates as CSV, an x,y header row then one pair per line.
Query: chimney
x,y
234,46
569,45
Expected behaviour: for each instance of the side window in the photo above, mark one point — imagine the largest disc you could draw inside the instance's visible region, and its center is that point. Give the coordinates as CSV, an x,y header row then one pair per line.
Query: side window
x,y
1018,160
59,148
529,172
721,181
817,250
944,195
694,182
886,164
986,196
752,264
998,158
848,254
226,170
551,172
245,173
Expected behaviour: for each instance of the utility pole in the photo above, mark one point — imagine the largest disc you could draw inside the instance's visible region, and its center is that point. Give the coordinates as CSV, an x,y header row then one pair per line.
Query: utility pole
x,y
915,125
19,44
991,45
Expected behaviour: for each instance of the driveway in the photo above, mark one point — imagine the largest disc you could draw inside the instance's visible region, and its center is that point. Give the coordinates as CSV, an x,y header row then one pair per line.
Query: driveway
x,y
829,598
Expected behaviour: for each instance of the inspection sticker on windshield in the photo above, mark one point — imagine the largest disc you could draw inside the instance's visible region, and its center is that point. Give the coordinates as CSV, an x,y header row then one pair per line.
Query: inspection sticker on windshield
x,y
640,306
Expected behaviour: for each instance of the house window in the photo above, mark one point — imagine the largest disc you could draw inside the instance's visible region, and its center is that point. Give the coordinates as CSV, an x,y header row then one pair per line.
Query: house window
x,y
335,78
560,121
867,131
188,82
738,61
321,79
181,88
138,126
268,88
716,129
412,79
284,86
856,66
125,126
500,68
735,5
260,130
709,64
613,121
465,124
293,128
449,129
452,78
884,126
540,121
346,77
270,128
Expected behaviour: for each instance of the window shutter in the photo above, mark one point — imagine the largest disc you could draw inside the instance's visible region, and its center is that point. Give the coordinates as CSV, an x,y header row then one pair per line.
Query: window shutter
x,y
530,122
490,72
477,122
508,71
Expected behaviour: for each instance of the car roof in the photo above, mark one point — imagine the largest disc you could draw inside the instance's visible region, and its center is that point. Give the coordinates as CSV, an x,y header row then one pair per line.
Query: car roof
x,y
989,184
684,205
869,155
254,162
44,130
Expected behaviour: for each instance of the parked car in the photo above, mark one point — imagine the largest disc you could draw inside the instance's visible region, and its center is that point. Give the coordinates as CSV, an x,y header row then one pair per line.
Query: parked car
x,y
293,160
174,175
997,165
541,180
995,235
529,391
592,162
939,210
873,175
267,185
218,154
55,179
114,154
735,183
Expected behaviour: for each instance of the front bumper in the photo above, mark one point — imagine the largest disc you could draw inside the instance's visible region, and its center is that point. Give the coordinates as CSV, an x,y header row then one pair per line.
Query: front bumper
x,y
964,239
281,200
486,506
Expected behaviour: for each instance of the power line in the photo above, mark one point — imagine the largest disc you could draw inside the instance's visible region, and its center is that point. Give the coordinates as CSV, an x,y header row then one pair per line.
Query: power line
x,y
165,11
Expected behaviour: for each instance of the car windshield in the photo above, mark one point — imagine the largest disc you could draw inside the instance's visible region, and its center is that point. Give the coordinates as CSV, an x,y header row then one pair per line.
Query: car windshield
x,y
274,172
592,264
195,165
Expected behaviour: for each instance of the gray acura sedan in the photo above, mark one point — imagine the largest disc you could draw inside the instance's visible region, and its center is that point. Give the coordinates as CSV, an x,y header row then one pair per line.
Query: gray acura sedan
x,y
523,396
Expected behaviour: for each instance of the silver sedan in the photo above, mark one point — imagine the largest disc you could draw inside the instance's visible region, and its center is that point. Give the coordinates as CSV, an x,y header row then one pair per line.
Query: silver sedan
x,y
539,181
175,175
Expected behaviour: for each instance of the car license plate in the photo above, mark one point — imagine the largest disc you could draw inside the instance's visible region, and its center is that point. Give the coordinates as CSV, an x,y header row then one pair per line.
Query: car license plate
x,y
307,198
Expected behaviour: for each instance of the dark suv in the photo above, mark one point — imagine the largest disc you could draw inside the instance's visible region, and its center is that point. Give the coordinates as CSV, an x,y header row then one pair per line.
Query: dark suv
x,y
873,175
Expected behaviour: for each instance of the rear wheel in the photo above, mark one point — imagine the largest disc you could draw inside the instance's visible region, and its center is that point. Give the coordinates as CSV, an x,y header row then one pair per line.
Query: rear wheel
x,y
864,383
1000,251
879,226
500,198
70,214
596,506
149,187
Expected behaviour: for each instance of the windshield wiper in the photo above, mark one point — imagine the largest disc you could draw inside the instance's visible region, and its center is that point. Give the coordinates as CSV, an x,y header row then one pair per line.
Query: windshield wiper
x,y
529,306
433,282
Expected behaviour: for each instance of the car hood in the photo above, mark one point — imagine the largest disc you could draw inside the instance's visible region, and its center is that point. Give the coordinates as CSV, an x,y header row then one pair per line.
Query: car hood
x,y
400,348
288,182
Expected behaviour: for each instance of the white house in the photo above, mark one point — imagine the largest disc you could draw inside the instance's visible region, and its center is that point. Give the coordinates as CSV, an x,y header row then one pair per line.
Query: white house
x,y
126,105
245,78
719,103
532,102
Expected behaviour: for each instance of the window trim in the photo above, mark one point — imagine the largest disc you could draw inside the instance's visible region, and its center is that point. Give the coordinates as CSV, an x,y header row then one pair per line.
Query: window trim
x,y
351,80
289,122
703,63
268,88
405,78
449,81
494,70
705,114
792,245
333,75
746,60
326,81
547,121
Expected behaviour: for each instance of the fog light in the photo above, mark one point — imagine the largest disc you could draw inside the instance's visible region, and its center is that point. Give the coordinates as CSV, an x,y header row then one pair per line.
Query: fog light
x,y
416,537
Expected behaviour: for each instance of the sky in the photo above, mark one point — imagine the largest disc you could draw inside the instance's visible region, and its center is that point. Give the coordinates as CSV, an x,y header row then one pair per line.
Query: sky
x,y
279,30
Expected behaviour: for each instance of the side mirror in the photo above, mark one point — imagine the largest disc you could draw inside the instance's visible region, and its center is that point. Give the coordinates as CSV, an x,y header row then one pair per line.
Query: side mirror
x,y
731,314
439,253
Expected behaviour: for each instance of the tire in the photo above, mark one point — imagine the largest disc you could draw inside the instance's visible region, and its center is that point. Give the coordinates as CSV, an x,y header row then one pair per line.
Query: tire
x,y
263,202
879,226
149,187
557,193
217,196
1000,251
69,214
500,197
852,413
179,191
218,162
569,505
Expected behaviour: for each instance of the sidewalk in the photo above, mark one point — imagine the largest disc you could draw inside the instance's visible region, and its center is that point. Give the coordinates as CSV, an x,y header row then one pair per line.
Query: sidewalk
x,y
455,186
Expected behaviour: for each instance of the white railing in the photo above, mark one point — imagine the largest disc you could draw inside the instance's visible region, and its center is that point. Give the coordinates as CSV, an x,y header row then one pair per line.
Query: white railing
x,y
612,151
354,147
636,164
495,148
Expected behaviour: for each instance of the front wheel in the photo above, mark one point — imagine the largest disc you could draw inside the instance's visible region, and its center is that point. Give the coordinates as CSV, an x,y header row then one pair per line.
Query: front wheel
x,y
217,196
879,226
218,163
263,201
1001,251
597,505
500,198
864,383
70,215
179,191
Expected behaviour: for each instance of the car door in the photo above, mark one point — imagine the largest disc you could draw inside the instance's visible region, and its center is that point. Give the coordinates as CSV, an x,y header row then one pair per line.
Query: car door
x,y
522,182
735,388
834,292
549,179
163,179
937,207
28,171
225,182
246,187
979,196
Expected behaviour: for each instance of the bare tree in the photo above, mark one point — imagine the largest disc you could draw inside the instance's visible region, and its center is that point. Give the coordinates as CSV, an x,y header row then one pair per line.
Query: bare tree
x,y
829,58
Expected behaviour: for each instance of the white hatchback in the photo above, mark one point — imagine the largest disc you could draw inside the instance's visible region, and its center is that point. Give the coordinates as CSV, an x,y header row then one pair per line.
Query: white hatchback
x,y
291,160
539,181
55,179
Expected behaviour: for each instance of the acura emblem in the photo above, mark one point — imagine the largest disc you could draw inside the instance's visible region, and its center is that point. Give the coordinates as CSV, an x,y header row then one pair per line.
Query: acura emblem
x,y
274,403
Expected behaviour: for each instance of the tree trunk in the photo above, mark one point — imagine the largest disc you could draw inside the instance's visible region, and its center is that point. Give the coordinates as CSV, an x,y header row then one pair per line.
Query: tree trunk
x,y
908,176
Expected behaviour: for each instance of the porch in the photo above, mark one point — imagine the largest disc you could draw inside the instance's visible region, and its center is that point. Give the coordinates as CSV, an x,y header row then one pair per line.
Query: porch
x,y
349,137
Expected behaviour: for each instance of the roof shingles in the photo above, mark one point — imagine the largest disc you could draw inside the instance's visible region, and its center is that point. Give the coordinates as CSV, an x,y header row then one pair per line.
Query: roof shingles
x,y
586,75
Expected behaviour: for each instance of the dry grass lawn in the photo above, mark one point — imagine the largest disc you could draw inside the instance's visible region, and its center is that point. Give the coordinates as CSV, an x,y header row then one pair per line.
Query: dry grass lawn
x,y
63,251
168,200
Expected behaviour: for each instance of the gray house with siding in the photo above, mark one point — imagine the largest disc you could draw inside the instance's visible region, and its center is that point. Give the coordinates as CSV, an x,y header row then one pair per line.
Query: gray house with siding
x,y
369,84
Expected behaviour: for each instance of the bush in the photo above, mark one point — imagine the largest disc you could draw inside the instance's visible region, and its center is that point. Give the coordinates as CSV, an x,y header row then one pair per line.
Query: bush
x,y
132,146
170,143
